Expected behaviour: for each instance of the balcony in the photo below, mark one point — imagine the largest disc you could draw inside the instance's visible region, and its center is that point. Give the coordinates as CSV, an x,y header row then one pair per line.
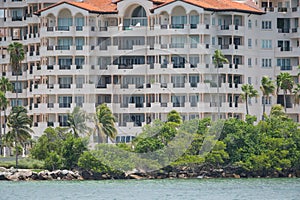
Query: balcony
x,y
62,47
64,105
63,28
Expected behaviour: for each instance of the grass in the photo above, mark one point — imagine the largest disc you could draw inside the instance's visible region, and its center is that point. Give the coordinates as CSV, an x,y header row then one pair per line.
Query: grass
x,y
24,163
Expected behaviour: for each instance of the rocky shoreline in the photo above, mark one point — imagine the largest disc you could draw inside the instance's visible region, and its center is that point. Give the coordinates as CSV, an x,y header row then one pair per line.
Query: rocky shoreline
x,y
31,175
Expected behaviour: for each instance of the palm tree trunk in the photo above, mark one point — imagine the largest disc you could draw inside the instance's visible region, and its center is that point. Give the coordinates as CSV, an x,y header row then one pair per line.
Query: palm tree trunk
x,y
264,107
17,81
16,144
284,100
4,128
247,110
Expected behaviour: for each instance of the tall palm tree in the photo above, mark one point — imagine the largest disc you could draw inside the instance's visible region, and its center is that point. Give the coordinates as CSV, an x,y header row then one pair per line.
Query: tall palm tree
x,y
286,83
77,121
5,86
218,60
105,123
19,123
248,92
267,87
17,55
296,92
3,104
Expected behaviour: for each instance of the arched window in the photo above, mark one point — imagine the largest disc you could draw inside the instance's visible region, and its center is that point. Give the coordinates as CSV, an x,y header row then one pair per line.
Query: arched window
x,y
138,16
139,12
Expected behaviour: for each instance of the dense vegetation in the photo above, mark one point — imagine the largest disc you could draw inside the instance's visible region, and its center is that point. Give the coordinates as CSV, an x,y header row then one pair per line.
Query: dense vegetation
x,y
267,147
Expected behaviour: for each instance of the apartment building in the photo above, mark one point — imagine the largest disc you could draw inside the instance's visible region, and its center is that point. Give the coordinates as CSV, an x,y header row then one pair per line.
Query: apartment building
x,y
146,58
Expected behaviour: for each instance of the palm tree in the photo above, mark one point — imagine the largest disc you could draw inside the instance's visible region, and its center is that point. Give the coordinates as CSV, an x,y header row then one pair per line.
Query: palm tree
x,y
267,87
296,92
249,92
286,83
5,86
105,123
77,121
218,60
19,124
17,55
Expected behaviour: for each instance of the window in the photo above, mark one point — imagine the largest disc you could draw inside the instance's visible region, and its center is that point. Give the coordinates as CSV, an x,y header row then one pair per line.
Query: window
x,y
213,41
79,82
79,100
63,119
268,100
79,62
178,81
15,102
266,25
249,42
194,40
178,62
284,63
65,62
194,79
178,101
213,21
64,101
249,62
266,62
249,80
64,43
194,60
266,44
194,100
79,42
65,82
249,24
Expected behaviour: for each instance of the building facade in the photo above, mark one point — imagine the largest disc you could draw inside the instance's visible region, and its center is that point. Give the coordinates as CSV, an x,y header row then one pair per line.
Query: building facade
x,y
146,58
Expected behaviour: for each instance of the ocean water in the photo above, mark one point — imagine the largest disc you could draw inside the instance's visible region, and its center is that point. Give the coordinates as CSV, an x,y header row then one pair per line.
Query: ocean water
x,y
175,189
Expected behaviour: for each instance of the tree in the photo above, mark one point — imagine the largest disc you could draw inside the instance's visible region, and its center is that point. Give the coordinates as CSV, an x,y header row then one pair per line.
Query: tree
x,y
105,123
77,121
174,117
5,86
3,104
267,87
248,92
17,55
19,123
296,92
218,60
285,82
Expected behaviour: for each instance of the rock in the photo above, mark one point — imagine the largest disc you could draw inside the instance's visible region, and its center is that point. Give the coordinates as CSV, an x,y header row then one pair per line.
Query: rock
x,y
3,169
172,174
34,176
236,176
65,172
182,176
134,176
3,176
13,177
86,175
13,170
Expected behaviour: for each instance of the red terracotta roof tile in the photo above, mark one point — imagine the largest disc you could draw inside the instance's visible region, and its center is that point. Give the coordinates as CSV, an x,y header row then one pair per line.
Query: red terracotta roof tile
x,y
109,6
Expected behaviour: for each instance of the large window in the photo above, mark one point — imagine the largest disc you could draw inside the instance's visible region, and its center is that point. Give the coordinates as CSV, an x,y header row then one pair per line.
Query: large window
x,y
178,100
65,101
79,42
64,43
266,62
284,63
266,44
266,25
65,62
65,82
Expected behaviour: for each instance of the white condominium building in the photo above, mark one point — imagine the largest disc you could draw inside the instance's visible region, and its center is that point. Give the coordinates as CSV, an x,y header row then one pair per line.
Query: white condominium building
x,y
146,58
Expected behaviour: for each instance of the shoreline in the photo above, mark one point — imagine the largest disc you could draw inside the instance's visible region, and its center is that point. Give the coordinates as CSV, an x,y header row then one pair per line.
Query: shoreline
x,y
68,175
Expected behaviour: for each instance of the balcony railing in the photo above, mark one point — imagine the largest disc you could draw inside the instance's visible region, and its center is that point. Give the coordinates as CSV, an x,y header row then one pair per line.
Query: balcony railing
x,y
64,85
285,68
224,27
62,28
62,47
177,26
64,105
65,67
